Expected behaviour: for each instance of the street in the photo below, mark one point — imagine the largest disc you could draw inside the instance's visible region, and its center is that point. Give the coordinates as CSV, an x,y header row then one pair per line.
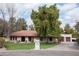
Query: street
x,y
40,53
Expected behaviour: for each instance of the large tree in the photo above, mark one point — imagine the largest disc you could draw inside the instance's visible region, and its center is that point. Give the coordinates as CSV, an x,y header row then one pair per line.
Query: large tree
x,y
11,11
77,29
3,14
46,21
2,27
21,24
67,29
77,26
12,25
8,13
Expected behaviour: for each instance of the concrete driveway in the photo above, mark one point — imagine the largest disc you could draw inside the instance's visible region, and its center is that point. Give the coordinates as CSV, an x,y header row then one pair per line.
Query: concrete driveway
x,y
66,47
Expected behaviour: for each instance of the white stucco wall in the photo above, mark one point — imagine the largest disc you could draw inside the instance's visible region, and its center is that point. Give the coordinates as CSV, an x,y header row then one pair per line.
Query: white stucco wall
x,y
18,38
12,38
67,35
26,39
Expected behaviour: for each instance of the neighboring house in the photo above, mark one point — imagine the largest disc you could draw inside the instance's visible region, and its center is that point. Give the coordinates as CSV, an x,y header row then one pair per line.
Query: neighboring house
x,y
23,36
67,38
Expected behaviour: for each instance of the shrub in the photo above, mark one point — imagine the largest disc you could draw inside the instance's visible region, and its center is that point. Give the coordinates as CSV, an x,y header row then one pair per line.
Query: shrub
x,y
2,41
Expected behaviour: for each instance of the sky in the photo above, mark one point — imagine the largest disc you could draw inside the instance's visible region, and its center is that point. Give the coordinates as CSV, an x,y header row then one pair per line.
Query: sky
x,y
68,13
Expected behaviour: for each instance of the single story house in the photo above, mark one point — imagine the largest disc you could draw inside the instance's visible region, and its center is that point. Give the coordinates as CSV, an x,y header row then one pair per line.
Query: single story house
x,y
29,36
23,36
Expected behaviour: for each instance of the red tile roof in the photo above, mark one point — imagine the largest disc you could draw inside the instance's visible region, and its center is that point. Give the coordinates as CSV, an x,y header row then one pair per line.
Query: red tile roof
x,y
24,33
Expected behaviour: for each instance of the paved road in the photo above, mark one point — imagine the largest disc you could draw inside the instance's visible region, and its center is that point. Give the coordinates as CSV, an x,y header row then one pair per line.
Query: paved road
x,y
40,53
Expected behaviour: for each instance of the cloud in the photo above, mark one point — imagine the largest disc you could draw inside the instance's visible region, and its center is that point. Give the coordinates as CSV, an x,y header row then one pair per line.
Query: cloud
x,y
69,14
66,7
74,14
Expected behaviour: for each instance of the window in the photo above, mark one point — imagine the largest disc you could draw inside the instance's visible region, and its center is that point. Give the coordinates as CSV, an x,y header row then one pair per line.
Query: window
x,y
22,39
50,39
29,38
41,39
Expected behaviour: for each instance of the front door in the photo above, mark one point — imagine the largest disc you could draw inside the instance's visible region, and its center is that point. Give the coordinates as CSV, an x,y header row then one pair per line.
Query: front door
x,y
23,39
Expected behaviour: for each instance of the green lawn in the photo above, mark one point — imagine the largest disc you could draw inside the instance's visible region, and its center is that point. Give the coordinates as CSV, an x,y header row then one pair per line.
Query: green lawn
x,y
25,46
18,46
47,45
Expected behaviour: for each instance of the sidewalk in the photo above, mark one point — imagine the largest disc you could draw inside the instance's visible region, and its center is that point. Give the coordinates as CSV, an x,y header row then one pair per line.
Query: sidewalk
x,y
3,49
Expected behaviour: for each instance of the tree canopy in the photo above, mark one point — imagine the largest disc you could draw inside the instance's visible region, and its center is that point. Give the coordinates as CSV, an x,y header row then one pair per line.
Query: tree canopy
x,y
67,29
46,21
21,24
2,27
12,26
77,26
